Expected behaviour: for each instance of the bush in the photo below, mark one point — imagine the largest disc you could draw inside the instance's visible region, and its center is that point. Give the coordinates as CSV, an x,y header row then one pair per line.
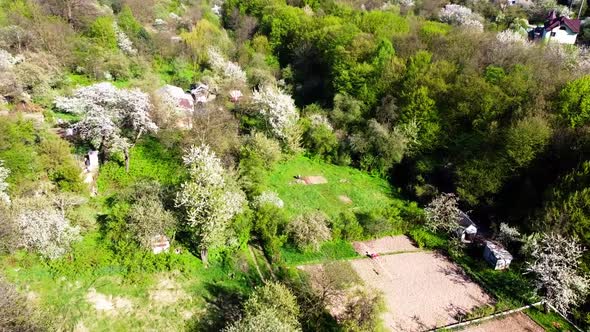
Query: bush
x,y
309,231
103,32
15,313
347,227
427,239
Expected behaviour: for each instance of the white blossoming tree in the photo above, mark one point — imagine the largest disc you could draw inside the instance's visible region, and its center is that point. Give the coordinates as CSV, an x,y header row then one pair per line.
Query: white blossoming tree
x,y
555,261
226,69
279,111
123,42
4,173
208,201
269,197
508,234
44,229
462,16
442,213
113,119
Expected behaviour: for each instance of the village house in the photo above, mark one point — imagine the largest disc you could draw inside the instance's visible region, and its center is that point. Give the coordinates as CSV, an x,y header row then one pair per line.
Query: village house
x,y
497,256
560,29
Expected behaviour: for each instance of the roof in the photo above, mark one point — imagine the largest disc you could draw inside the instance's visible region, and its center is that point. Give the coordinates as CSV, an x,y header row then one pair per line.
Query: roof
x,y
553,22
498,251
465,221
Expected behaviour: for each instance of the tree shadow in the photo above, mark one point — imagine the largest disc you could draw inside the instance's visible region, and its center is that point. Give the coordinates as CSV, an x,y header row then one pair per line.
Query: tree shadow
x,y
224,306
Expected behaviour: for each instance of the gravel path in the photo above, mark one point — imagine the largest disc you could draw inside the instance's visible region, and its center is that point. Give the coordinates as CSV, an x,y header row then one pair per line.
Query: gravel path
x,y
517,322
388,244
422,290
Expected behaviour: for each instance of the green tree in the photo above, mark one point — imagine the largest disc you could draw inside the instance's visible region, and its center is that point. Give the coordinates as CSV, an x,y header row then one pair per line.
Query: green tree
x,y
574,102
103,32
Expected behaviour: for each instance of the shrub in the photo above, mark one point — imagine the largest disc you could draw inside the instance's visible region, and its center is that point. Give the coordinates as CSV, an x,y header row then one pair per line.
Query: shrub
x,y
427,239
103,33
309,231
347,227
148,218
15,313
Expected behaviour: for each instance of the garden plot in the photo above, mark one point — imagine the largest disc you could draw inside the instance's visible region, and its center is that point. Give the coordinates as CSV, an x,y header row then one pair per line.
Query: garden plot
x,y
518,322
422,290
385,245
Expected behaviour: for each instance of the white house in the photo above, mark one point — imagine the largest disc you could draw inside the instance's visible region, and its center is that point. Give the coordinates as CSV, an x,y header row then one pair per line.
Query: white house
x,y
497,256
556,29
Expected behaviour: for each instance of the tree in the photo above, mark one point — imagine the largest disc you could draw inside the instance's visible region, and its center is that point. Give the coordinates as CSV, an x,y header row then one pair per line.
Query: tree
x,y
209,202
43,228
113,119
507,234
278,110
574,102
526,138
362,309
443,214
555,262
270,308
309,231
4,173
16,313
148,219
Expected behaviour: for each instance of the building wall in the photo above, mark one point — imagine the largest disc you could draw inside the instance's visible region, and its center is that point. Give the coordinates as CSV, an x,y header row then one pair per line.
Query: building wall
x,y
561,36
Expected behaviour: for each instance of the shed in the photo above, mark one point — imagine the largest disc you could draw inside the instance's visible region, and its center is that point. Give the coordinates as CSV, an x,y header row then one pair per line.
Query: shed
x,y
182,101
467,228
497,256
159,244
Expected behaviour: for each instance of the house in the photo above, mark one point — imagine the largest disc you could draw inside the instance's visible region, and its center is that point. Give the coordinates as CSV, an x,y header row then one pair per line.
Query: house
x,y
560,29
467,228
182,101
497,256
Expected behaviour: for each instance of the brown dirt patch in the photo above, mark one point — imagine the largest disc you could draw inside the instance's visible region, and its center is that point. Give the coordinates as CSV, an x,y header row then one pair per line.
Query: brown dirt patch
x,y
345,199
108,304
314,180
422,290
167,292
388,244
518,322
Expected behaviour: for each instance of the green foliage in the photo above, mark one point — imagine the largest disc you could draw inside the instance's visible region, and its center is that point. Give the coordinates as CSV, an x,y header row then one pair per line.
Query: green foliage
x,y
102,32
574,102
128,22
329,251
426,239
268,221
526,138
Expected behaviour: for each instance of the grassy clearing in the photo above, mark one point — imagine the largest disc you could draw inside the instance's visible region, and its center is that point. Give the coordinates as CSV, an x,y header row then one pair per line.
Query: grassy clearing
x,y
335,250
366,192
149,160
551,322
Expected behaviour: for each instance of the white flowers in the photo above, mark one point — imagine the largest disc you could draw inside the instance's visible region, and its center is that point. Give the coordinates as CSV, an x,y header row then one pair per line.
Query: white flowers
x,y
7,61
208,201
461,16
269,197
319,120
107,110
124,43
4,173
278,109
555,264
227,69
46,231
512,37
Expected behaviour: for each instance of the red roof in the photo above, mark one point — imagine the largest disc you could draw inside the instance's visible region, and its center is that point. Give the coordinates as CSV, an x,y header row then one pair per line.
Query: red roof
x,y
553,22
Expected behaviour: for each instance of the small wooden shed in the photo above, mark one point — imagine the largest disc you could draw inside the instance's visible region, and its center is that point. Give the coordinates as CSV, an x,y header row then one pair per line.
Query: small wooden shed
x,y
497,256
467,228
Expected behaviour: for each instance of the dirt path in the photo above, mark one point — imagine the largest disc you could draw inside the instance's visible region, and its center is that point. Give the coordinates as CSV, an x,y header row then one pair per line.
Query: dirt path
x,y
255,263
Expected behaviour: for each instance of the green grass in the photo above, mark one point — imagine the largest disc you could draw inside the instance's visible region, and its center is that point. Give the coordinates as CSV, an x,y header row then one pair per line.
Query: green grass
x,y
329,251
366,192
551,322
149,160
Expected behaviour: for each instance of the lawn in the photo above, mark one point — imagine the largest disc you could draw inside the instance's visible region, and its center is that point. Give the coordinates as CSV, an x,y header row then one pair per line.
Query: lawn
x,y
367,193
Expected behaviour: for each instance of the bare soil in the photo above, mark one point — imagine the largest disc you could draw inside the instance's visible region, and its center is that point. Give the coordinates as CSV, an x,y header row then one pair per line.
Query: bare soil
x,y
167,292
314,180
107,303
385,245
345,199
422,290
518,322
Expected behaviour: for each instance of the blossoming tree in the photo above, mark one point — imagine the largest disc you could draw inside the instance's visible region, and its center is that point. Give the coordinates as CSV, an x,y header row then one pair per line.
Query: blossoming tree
x,y
279,111
555,263
4,173
113,119
209,202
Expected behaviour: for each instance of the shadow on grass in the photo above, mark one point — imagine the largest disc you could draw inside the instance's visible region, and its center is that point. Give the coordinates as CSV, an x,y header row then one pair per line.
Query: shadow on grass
x,y
224,306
